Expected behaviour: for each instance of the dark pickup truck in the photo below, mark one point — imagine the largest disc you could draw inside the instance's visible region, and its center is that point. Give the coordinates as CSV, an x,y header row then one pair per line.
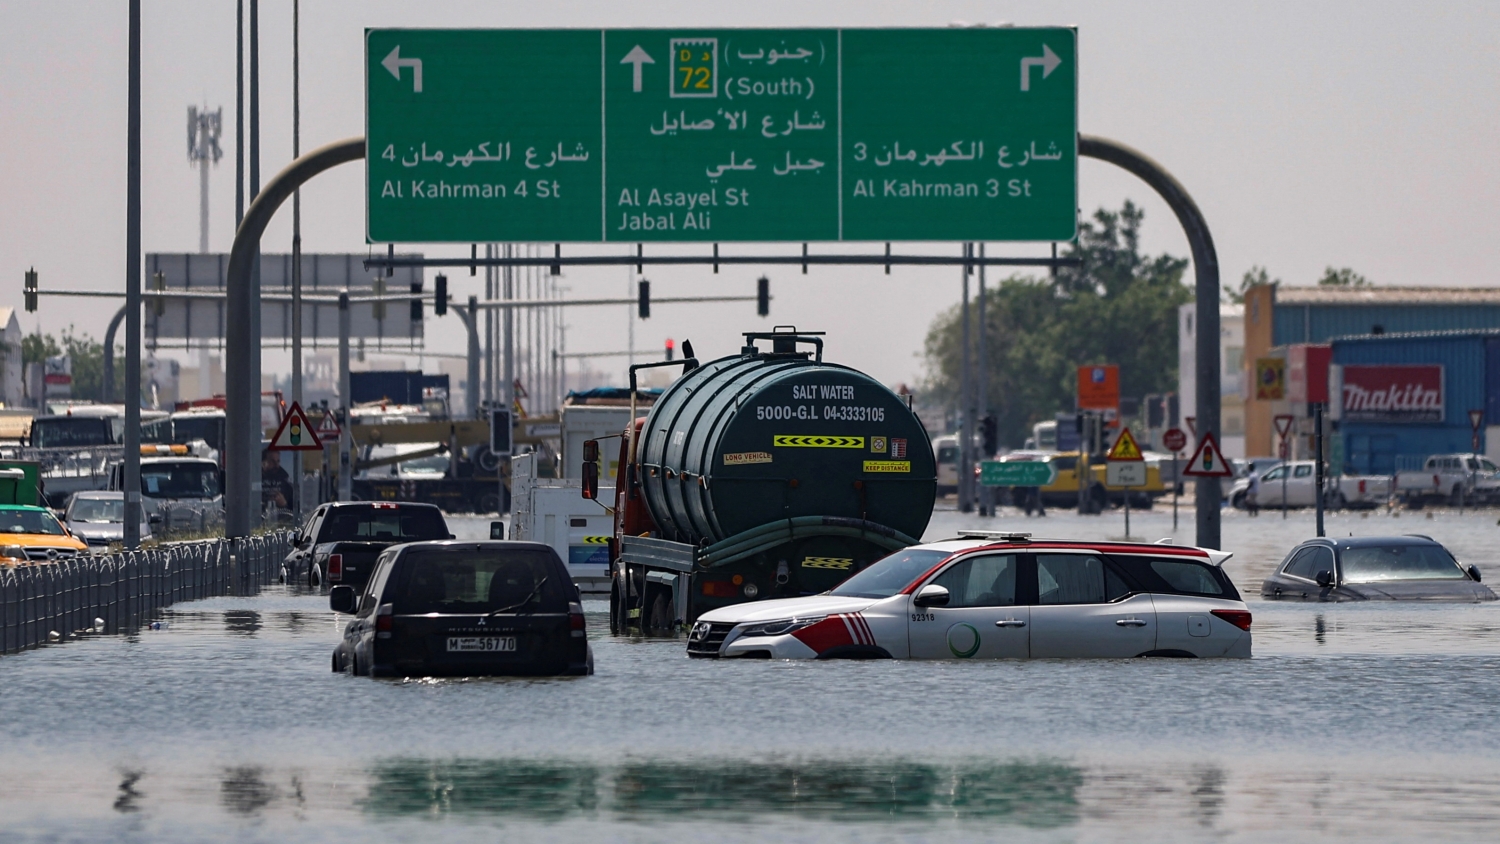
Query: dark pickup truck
x,y
341,540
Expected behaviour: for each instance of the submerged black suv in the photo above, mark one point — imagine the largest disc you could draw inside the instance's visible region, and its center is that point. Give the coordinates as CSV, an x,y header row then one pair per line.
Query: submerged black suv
x,y
451,608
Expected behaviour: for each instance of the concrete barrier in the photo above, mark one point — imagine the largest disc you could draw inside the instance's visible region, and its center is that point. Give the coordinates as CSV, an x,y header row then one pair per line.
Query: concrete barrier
x,y
60,601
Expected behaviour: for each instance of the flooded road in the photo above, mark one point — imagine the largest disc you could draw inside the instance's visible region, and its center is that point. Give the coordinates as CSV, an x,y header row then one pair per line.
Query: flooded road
x,y
1357,723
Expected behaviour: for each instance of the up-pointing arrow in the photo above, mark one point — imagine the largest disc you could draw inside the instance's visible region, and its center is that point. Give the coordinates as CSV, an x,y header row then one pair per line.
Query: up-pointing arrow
x,y
1047,61
394,63
636,57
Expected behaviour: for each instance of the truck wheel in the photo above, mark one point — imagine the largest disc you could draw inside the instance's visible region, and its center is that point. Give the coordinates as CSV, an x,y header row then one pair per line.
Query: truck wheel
x,y
1098,498
660,621
1237,501
489,502
487,461
1456,496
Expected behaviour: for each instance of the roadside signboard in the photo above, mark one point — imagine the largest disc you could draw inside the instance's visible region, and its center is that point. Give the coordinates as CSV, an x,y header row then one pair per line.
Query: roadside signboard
x,y
1283,424
1174,440
587,135
1099,387
295,433
328,429
1270,379
1125,473
1125,448
1208,461
1476,420
1393,392
1016,473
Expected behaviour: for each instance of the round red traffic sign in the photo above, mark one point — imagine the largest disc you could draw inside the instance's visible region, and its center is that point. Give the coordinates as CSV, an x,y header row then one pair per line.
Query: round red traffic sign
x,y
1174,439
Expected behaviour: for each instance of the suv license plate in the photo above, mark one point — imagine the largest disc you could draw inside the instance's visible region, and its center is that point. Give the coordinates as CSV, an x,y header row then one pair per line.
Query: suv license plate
x,y
486,644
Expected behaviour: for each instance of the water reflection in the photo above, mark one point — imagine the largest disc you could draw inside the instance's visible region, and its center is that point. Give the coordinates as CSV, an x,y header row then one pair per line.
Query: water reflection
x,y
242,622
244,791
130,797
1043,794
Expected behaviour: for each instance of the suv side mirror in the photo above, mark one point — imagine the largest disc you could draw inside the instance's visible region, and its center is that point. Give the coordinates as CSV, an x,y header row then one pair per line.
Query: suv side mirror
x,y
591,469
1325,579
497,530
1474,573
342,599
931,595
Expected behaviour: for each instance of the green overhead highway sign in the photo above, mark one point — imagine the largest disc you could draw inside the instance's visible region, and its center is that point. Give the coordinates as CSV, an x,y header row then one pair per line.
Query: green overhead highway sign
x,y
997,473
721,135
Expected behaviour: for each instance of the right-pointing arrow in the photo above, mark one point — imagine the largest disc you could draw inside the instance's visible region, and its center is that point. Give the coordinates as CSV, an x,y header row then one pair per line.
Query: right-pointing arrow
x,y
638,57
1047,61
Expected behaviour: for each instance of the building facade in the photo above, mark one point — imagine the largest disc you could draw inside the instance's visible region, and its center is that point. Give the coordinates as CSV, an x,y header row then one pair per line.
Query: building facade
x,y
1231,372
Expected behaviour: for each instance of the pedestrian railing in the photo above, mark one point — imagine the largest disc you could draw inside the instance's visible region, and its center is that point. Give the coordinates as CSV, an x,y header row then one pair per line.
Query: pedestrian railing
x,y
119,593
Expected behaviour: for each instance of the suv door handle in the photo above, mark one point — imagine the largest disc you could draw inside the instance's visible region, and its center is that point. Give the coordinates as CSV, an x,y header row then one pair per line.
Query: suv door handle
x,y
1131,622
1010,622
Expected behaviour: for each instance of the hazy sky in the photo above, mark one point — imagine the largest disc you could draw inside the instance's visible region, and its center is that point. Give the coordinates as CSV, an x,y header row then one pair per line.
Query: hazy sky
x,y
1347,133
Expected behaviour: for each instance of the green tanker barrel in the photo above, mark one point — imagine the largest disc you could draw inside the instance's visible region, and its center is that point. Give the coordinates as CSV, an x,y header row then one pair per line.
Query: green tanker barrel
x,y
766,437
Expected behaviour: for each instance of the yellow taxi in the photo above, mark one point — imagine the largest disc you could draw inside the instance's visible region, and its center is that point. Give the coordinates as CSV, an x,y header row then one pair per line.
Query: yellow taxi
x,y
1063,491
35,535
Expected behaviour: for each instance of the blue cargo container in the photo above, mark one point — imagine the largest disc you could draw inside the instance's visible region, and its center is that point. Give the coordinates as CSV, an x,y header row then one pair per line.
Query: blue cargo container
x,y
1471,381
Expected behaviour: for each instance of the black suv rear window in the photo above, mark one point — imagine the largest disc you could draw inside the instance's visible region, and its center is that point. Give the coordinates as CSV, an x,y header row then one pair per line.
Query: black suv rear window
x,y
465,580
384,524
1188,577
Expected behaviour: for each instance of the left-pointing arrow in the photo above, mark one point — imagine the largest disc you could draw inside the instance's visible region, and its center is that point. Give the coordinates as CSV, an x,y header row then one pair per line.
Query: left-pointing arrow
x,y
394,63
637,57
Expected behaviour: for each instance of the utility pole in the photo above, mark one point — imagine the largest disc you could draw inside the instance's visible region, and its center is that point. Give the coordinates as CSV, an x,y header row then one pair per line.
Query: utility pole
x,y
296,501
965,402
132,468
252,317
204,128
986,494
346,465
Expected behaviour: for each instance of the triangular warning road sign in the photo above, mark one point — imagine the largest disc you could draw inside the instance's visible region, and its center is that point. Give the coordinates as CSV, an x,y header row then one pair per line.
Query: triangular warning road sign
x,y
1208,461
295,432
329,428
1125,447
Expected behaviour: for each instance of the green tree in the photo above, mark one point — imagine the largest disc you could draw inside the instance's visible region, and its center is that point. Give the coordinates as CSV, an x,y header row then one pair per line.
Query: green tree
x,y
88,360
1118,306
1256,276
1342,277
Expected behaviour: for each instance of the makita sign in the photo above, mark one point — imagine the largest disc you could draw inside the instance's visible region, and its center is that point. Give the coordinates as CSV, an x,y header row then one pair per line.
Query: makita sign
x,y
1393,393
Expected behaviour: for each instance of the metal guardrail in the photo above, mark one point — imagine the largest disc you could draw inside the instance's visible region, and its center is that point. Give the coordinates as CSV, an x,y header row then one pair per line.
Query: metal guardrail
x,y
60,601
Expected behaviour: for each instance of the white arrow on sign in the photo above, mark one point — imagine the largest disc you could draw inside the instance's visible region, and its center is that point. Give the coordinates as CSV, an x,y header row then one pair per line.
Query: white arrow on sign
x,y
1048,62
636,57
394,63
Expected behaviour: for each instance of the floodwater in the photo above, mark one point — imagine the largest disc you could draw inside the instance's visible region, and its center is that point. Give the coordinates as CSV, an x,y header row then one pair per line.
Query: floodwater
x,y
1352,723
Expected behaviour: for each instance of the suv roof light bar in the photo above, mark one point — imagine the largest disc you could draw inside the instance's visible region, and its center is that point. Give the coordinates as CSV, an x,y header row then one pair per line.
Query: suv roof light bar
x,y
1002,535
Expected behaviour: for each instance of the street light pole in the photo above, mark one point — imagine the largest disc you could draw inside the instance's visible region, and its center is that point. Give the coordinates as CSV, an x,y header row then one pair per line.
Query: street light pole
x,y
132,468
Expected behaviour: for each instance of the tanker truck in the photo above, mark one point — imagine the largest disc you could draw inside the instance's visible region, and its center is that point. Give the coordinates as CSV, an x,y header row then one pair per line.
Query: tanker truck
x,y
767,474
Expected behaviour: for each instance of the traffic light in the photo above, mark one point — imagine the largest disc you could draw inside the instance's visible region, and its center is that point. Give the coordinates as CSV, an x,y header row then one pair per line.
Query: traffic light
x,y
990,431
416,301
763,296
440,295
643,301
671,348
30,289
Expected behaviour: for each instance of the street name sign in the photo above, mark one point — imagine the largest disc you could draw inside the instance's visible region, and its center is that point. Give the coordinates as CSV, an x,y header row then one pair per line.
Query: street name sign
x,y
721,135
1016,473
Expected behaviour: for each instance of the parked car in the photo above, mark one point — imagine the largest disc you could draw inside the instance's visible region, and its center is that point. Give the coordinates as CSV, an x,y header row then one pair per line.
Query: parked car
x,y
1339,491
1450,479
1000,597
180,494
98,518
1374,568
340,541
455,608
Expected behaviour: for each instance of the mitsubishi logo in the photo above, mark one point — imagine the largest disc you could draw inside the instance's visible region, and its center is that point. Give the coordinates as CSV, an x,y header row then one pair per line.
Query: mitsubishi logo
x,y
481,621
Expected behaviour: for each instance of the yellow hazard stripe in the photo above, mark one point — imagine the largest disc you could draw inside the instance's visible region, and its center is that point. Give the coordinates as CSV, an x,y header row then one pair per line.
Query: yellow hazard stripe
x,y
842,563
809,441
596,540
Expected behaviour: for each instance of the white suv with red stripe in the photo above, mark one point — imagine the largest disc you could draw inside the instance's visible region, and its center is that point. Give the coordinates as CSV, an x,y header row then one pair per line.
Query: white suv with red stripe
x,y
1000,596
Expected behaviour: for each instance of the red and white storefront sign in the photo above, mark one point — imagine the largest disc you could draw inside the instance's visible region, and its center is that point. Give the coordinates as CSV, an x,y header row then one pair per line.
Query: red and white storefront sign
x,y
1392,393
